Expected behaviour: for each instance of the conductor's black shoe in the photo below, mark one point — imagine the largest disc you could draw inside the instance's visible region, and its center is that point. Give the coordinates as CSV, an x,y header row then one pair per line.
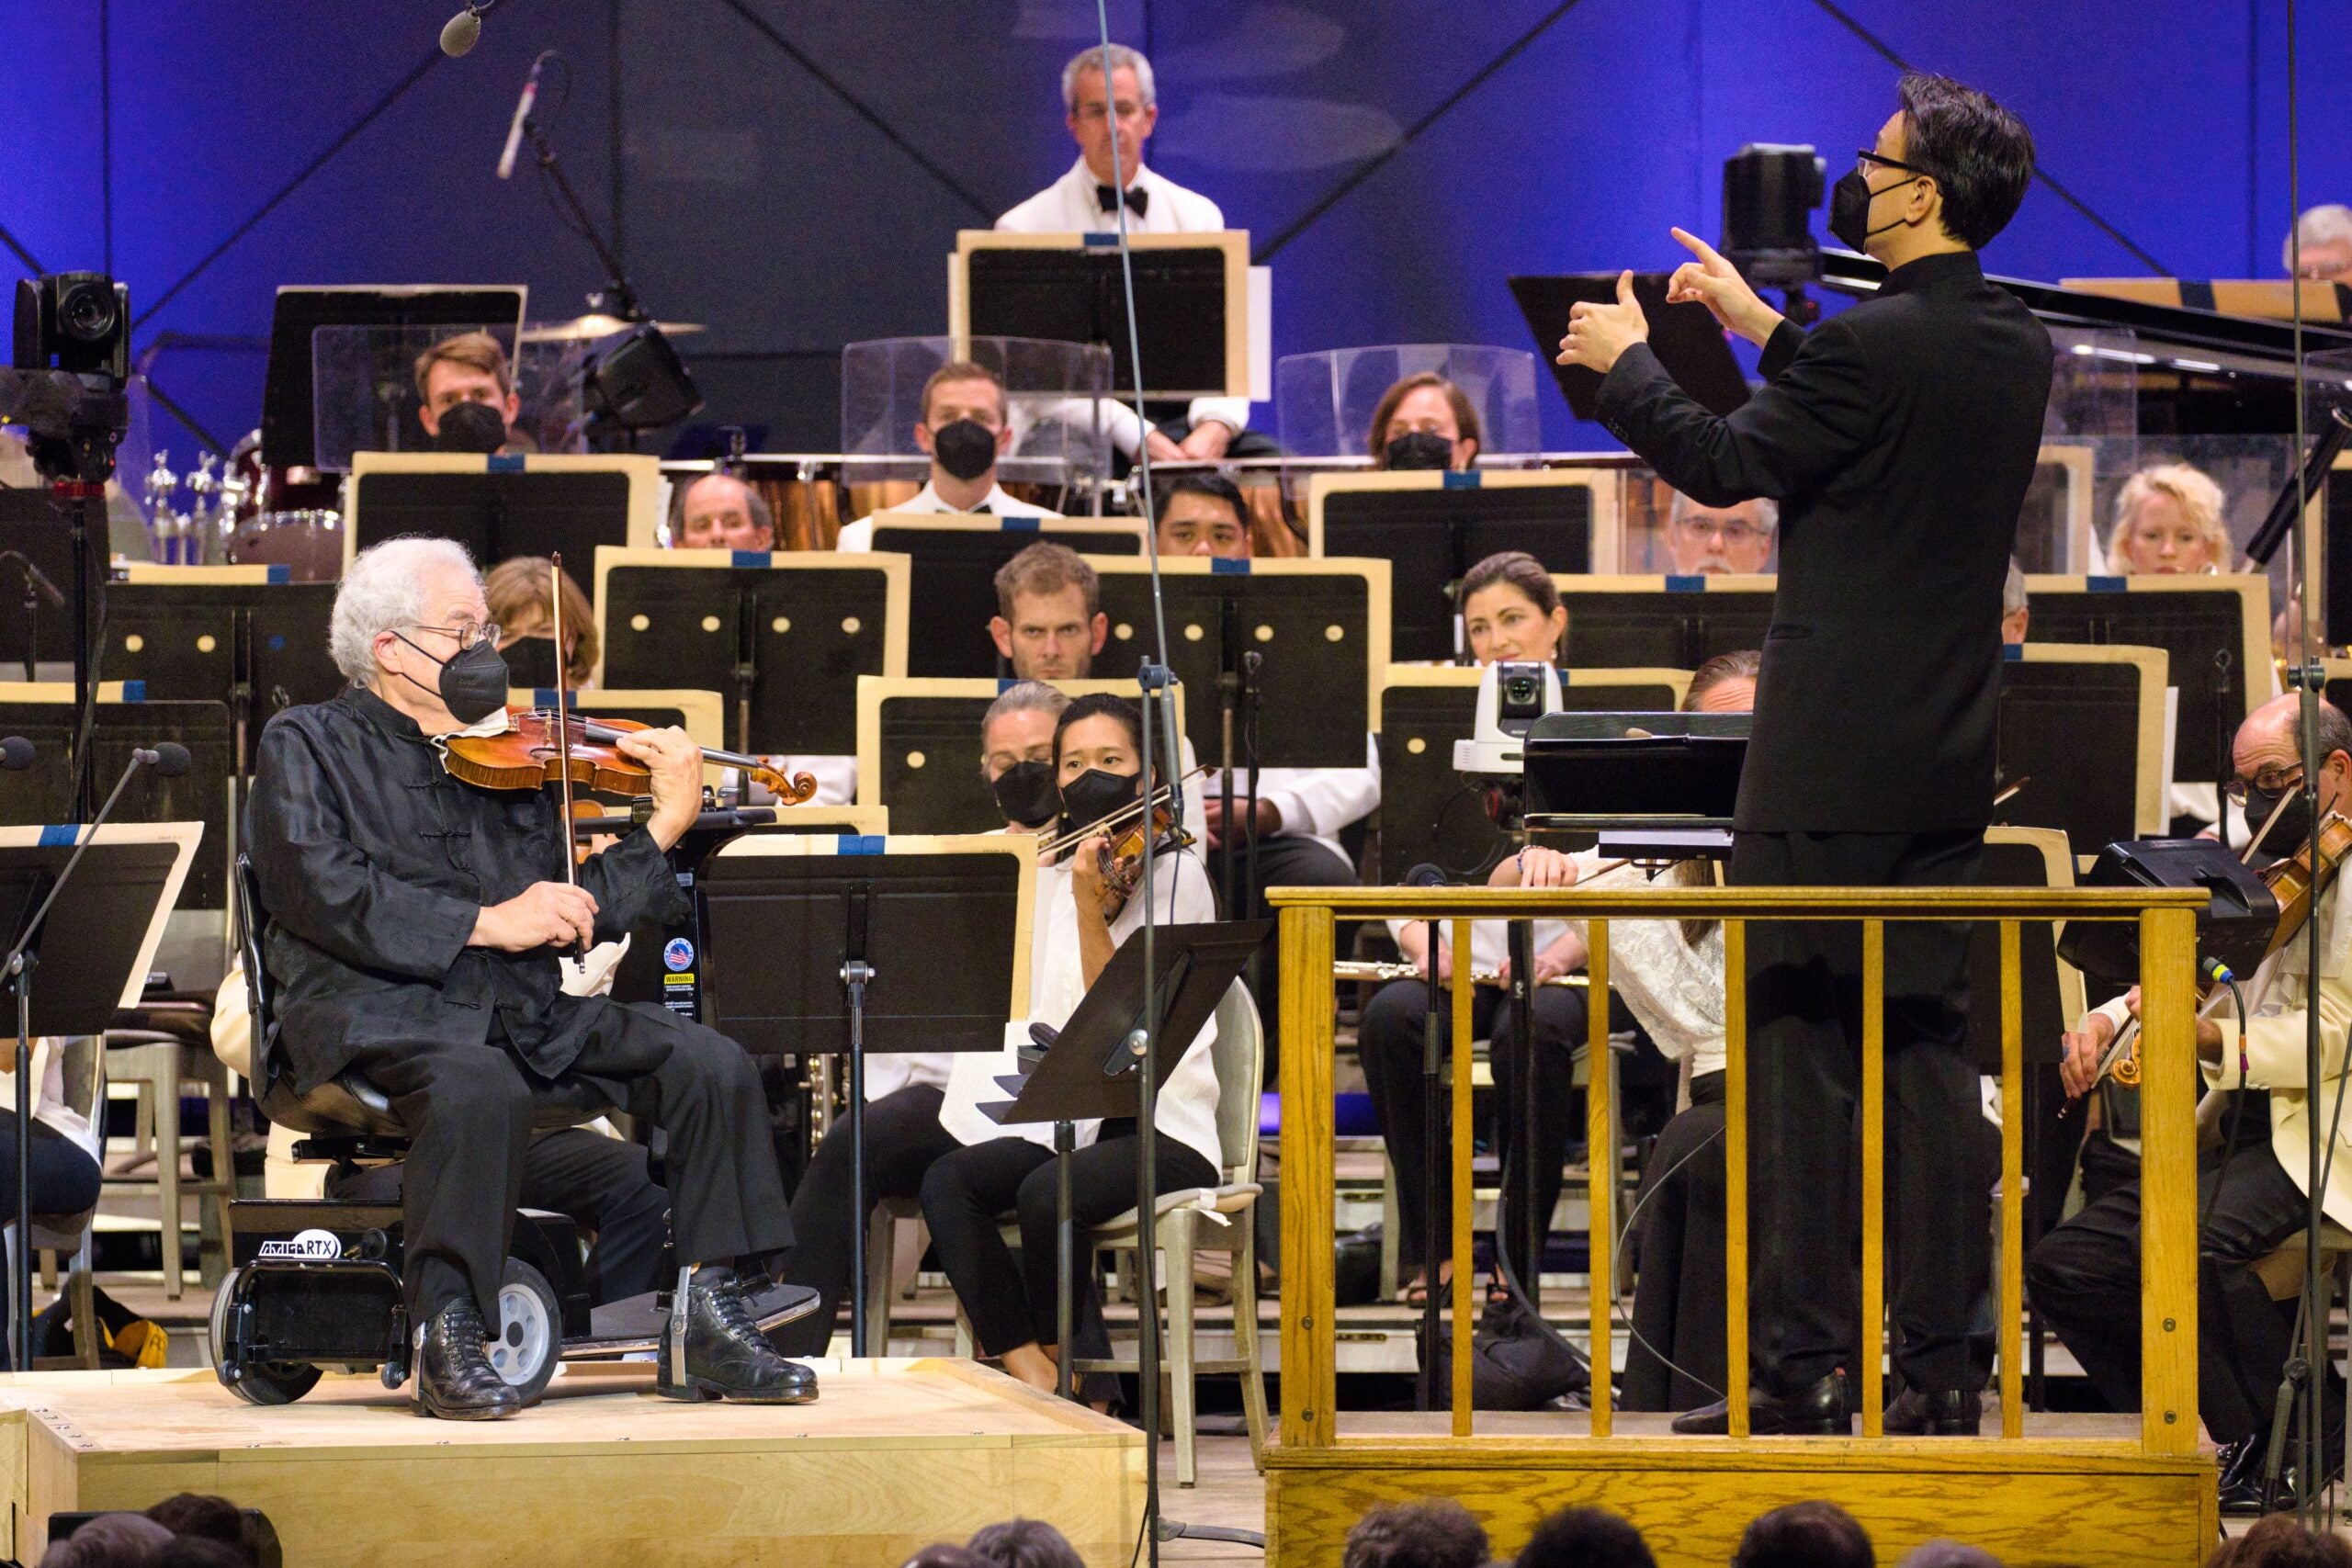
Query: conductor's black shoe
x,y
2242,1464
454,1378
1818,1410
1947,1413
726,1357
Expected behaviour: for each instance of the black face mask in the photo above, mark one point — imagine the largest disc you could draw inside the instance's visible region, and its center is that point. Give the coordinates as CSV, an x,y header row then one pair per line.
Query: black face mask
x,y
1418,449
1025,794
470,427
1094,795
473,686
2294,824
531,661
967,448
1849,210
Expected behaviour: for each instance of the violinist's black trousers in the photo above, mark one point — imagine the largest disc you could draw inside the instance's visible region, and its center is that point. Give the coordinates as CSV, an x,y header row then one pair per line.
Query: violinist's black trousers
x,y
471,1109
1804,1071
2084,1277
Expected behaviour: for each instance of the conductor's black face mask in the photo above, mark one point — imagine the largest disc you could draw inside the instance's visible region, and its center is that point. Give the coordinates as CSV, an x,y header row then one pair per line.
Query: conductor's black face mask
x,y
1850,199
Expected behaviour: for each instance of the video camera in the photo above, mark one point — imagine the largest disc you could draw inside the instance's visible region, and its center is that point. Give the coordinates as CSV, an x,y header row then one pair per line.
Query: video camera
x,y
66,380
1511,697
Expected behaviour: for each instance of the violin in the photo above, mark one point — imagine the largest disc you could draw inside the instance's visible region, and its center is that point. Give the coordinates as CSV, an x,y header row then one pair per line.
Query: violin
x,y
538,750
1124,849
2292,882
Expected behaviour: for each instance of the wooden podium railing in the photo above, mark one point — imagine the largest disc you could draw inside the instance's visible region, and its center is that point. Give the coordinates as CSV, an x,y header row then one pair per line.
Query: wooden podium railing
x,y
2168,922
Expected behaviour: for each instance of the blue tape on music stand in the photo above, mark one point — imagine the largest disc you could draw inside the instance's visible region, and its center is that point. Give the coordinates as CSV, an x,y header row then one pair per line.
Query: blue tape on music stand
x,y
2106,584
1017,525
543,696
858,844
59,834
279,573
505,463
134,690
1220,566
1463,478
1099,241
1685,584
754,557
2014,652
278,642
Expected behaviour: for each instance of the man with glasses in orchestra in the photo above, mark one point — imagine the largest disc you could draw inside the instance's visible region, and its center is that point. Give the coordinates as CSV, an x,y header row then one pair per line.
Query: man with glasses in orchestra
x,y
1705,541
414,923
1898,438
2084,1277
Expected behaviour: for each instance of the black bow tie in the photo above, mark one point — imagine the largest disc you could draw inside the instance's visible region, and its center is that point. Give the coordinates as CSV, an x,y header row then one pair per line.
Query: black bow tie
x,y
1107,200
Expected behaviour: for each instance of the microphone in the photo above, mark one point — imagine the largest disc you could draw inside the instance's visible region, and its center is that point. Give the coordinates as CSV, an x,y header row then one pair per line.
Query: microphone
x,y
462,32
522,112
16,755
168,758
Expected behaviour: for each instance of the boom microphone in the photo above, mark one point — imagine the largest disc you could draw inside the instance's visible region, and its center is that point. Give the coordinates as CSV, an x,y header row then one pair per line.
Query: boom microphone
x,y
168,758
522,112
462,32
16,755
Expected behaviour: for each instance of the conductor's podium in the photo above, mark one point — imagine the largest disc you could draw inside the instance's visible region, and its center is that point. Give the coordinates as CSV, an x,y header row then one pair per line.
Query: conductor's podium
x,y
2097,1492
602,1474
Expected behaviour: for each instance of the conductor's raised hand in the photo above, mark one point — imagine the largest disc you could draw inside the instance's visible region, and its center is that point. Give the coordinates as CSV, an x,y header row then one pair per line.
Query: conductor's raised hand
x,y
674,761
1597,334
544,914
1713,282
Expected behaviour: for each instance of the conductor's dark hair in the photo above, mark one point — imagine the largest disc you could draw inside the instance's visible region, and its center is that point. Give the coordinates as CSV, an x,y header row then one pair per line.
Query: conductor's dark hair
x,y
1216,487
1434,1533
1980,153
1098,704
1025,1544
1586,1538
1804,1535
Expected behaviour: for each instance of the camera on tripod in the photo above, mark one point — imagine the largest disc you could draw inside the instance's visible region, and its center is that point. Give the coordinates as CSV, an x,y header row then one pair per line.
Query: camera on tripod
x,y
71,364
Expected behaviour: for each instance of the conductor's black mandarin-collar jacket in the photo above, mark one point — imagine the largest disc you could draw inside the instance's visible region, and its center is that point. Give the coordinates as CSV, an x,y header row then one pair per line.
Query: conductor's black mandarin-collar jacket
x,y
374,864
1898,437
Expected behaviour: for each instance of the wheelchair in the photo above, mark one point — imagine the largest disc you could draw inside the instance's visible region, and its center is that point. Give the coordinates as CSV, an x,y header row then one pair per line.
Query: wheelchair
x,y
316,1284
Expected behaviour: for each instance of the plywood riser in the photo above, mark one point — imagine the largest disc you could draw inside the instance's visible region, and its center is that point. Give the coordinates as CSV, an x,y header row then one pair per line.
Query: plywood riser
x,y
1691,1499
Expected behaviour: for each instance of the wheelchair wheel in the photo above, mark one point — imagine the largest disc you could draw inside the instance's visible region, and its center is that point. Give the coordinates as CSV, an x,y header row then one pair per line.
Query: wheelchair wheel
x,y
530,1341
256,1382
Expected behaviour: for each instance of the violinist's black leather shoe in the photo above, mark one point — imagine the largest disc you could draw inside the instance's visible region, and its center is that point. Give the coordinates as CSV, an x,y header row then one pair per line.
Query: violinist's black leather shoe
x,y
454,1378
726,1357
1818,1410
1947,1413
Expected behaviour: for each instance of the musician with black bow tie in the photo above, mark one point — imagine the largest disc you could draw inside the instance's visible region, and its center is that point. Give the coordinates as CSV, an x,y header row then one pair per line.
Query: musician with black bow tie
x,y
1086,201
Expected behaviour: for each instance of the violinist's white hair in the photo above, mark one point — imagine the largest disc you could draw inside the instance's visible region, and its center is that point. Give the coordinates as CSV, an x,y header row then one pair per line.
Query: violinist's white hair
x,y
383,591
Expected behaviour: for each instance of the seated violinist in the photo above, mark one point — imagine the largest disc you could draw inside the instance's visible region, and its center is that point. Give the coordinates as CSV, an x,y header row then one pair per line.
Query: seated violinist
x,y
904,1090
2084,1277
1084,917
414,922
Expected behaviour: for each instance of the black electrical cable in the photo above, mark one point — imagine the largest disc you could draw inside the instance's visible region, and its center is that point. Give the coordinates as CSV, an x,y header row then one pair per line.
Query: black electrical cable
x,y
1623,1314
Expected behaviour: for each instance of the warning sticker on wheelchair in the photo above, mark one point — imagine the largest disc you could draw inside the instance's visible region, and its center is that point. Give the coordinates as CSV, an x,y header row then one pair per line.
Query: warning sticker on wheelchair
x,y
679,954
306,1247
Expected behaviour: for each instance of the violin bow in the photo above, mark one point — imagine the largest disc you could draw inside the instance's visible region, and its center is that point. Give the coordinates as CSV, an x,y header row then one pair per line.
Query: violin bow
x,y
563,719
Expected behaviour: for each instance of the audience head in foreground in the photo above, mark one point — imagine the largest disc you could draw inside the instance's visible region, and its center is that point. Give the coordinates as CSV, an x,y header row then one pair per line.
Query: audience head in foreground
x,y
1804,1535
1025,1544
1434,1533
1586,1538
2280,1542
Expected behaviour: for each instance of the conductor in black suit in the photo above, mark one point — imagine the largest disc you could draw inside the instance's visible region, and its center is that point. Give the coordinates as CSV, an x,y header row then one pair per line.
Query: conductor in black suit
x,y
1898,438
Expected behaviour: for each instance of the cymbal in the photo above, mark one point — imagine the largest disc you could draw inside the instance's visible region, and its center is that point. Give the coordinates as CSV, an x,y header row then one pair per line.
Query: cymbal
x,y
582,329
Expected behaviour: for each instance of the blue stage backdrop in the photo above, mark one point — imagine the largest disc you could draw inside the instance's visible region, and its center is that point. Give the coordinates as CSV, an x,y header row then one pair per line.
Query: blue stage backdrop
x,y
792,175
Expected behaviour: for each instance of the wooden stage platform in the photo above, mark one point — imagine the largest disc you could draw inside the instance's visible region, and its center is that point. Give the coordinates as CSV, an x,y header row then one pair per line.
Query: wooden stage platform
x,y
601,1474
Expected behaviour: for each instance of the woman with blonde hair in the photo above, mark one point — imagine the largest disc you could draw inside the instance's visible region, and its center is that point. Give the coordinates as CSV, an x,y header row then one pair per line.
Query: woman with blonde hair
x,y
2169,520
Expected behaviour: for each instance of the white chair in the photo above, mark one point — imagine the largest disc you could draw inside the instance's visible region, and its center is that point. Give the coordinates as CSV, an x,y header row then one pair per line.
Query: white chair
x,y
881,1272
1209,1219
164,1065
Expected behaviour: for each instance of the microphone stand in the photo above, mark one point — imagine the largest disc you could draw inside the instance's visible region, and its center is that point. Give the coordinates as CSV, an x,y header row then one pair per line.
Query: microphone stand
x,y
18,968
620,297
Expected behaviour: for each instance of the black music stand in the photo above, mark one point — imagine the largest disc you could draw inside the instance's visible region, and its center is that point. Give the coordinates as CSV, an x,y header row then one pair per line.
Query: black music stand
x,y
2202,629
1087,1069
1432,537
255,647
34,533
1628,772
949,793
1079,294
897,953
2068,734
289,404
43,792
504,510
91,939
952,577
1687,339
783,653
1677,625
1429,813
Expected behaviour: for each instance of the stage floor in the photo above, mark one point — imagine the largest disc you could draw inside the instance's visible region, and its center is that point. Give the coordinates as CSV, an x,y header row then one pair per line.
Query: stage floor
x,y
895,1455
